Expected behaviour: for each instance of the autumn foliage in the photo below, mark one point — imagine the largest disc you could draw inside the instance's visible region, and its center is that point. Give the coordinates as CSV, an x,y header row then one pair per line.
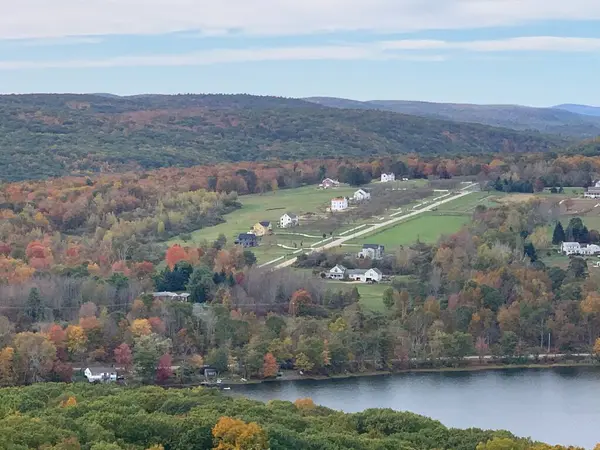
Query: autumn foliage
x,y
234,434
270,366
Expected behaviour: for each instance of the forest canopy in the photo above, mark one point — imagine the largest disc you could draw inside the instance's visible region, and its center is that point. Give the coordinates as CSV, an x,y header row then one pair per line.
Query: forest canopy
x,y
104,417
55,135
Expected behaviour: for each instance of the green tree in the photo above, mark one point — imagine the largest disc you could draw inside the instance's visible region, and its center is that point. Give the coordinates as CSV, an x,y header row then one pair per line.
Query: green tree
x,y
201,285
35,306
146,352
558,235
577,268
219,359
249,258
388,298
508,343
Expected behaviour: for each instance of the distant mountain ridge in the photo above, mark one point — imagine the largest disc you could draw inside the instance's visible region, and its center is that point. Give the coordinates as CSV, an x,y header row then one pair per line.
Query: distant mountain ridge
x,y
585,110
54,135
555,120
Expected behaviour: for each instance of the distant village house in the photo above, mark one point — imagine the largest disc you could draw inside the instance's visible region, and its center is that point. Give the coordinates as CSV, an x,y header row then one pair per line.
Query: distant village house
x,y
575,248
328,183
100,374
247,240
387,177
262,228
371,251
289,220
362,195
592,192
339,272
339,204
173,296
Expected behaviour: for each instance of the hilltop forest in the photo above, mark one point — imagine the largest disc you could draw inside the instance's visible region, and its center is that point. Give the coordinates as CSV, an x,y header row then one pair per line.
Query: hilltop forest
x,y
54,135
76,417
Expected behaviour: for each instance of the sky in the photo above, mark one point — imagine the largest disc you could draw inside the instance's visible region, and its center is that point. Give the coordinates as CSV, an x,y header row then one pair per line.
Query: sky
x,y
530,52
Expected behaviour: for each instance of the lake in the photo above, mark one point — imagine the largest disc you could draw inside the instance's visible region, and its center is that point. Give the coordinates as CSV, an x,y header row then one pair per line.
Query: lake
x,y
557,406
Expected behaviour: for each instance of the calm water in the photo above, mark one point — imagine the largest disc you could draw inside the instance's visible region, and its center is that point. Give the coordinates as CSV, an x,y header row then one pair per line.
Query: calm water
x,y
559,406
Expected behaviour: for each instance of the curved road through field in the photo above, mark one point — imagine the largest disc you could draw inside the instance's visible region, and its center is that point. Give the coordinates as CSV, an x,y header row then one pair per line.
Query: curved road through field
x,y
371,229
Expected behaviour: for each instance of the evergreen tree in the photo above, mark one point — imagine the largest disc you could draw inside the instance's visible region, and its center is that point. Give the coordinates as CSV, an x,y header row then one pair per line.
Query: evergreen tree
x,y
35,306
559,234
201,285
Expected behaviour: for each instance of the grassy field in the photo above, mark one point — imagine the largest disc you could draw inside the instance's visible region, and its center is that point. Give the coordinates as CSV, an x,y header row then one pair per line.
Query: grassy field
x,y
428,227
269,207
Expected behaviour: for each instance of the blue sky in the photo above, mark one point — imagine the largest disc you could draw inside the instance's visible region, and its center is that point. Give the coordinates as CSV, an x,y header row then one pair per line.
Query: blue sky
x,y
532,52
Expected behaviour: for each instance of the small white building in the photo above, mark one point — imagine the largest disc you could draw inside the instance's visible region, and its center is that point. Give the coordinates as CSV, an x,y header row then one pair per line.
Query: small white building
x,y
182,297
337,273
101,374
387,177
364,275
362,195
329,183
289,220
575,248
339,204
592,192
570,248
371,251
590,249
404,179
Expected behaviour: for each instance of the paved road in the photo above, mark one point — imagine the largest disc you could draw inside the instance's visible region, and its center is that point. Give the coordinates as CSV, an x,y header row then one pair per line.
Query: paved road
x,y
371,229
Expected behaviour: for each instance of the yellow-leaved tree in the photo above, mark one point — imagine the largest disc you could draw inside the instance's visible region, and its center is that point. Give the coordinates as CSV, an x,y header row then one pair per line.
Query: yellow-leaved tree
x,y
234,434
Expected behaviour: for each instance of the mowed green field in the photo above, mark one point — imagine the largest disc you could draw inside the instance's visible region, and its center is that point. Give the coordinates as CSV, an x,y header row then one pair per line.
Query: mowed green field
x,y
270,207
428,228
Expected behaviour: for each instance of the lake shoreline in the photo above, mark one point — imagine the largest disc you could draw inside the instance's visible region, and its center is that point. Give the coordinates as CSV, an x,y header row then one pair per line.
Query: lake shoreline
x,y
294,376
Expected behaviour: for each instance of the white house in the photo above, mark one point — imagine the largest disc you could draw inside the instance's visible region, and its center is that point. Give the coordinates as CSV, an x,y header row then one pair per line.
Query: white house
x,y
100,374
362,195
339,204
575,248
363,275
288,220
371,251
590,249
592,192
337,273
183,297
328,183
570,248
387,177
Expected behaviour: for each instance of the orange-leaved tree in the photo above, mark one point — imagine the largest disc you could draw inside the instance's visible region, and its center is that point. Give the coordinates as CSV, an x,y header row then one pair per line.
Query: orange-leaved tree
x,y
270,366
234,434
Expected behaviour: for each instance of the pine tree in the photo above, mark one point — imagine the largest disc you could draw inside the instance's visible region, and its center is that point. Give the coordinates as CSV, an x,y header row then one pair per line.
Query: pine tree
x,y
35,306
559,234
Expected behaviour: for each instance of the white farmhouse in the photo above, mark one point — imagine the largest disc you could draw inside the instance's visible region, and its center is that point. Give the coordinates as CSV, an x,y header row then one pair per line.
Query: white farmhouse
x,y
364,275
100,374
590,249
288,220
570,248
575,248
328,183
338,272
387,177
371,251
362,195
592,192
339,204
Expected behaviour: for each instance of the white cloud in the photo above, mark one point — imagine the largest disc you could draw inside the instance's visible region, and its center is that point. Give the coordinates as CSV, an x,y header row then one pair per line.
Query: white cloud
x,y
516,44
58,41
57,18
408,49
209,57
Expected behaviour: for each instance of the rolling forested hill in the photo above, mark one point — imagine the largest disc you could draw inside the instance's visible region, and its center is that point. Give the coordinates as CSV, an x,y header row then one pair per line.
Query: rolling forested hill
x,y
54,135
558,120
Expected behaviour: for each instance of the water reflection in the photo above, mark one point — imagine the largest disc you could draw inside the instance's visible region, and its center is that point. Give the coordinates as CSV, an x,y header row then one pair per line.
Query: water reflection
x,y
558,406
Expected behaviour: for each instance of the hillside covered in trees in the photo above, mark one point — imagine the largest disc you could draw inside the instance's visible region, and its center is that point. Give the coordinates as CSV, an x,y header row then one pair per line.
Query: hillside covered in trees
x,y
546,120
75,417
53,135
